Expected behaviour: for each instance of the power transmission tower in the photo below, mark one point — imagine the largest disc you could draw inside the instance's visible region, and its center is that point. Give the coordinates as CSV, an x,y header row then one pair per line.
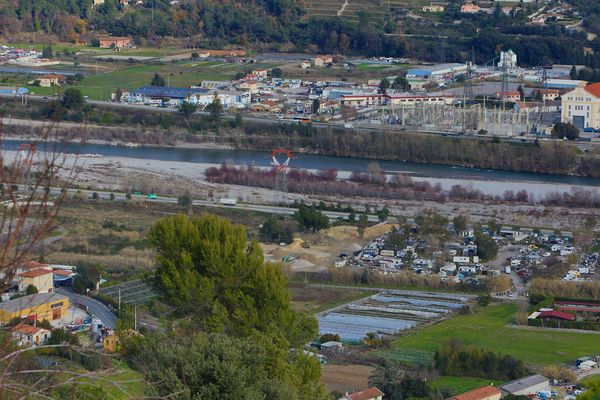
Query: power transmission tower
x,y
281,161
468,88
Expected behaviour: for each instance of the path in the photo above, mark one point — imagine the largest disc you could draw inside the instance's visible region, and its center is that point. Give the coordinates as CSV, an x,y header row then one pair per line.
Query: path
x,y
341,10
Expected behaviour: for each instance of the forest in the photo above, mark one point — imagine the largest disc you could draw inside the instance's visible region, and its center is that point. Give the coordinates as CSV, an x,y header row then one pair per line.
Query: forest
x,y
283,25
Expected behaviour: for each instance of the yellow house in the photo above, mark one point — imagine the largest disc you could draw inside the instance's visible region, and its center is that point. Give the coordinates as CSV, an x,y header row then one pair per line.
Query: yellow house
x,y
111,343
52,80
39,306
41,278
581,107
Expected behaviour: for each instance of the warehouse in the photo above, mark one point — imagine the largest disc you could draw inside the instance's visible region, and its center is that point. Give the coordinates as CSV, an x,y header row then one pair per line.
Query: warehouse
x,y
436,71
530,385
39,306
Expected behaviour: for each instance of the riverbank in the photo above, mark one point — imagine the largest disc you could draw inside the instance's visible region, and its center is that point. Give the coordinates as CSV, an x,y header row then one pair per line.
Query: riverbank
x,y
178,177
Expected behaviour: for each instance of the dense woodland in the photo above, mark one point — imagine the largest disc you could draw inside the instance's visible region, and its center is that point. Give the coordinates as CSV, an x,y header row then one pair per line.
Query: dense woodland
x,y
283,25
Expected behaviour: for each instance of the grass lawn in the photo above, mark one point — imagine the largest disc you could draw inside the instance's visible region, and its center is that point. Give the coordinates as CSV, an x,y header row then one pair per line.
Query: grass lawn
x,y
461,384
486,328
123,383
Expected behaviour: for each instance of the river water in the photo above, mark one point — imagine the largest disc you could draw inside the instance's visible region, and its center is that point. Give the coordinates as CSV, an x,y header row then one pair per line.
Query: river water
x,y
489,181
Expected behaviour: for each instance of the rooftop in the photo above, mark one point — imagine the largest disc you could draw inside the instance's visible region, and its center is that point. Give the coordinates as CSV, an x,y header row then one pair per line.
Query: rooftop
x,y
32,300
594,89
367,394
27,329
478,394
523,383
166,91
34,273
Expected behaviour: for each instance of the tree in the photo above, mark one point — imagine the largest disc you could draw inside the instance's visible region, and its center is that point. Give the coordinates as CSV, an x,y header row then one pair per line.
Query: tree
x,y
565,130
487,248
72,99
158,80
484,299
383,214
31,289
311,218
276,73
118,94
47,52
187,109
194,56
573,73
400,83
211,366
215,108
384,85
521,93
273,230
460,223
185,199
316,105
352,217
363,223
208,270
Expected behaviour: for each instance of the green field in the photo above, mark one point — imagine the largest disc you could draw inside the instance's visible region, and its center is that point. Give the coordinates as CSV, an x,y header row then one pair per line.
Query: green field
x,y
461,384
487,328
593,379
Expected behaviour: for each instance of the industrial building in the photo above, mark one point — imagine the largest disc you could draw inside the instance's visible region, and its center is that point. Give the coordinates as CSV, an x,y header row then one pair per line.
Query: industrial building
x,y
529,385
581,107
174,96
39,306
436,71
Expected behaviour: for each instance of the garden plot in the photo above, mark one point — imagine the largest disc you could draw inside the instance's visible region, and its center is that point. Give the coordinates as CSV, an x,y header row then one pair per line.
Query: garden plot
x,y
389,313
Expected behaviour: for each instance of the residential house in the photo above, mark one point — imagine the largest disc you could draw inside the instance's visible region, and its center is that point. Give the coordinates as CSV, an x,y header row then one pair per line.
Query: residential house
x,y
321,61
549,94
470,8
111,343
97,2
118,42
41,278
27,335
581,107
52,80
433,8
482,393
305,65
509,96
39,306
261,73
369,394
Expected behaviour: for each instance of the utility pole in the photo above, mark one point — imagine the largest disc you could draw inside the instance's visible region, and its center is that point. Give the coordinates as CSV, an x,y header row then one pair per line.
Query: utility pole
x,y
135,317
119,299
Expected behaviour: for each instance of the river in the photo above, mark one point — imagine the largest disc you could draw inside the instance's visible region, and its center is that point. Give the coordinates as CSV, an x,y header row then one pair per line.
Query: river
x,y
489,181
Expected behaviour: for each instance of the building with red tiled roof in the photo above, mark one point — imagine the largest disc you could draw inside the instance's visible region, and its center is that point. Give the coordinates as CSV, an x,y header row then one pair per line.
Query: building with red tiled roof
x,y
581,107
482,393
41,278
368,394
24,334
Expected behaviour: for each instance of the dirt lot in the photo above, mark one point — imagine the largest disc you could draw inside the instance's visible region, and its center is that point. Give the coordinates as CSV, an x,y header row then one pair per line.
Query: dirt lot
x,y
346,378
315,299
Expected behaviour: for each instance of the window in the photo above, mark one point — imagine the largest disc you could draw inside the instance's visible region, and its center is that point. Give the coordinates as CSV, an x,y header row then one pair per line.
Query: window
x,y
60,304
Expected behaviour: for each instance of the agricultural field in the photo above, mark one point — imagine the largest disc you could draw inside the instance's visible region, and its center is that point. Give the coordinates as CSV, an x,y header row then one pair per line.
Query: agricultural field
x,y
389,313
344,378
487,328
314,299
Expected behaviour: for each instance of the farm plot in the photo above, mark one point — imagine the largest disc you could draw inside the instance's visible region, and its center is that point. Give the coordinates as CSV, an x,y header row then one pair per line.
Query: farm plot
x,y
389,313
132,292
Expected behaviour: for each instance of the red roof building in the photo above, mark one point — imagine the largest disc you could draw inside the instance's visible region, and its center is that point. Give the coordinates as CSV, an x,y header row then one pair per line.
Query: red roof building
x,y
368,394
594,89
557,315
483,393
34,273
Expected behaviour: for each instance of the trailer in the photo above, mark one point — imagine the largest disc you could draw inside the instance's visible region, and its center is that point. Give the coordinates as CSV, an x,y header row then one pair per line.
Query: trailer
x,y
226,201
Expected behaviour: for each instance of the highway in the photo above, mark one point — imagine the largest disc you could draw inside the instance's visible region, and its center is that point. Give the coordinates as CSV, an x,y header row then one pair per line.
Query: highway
x,y
268,209
98,309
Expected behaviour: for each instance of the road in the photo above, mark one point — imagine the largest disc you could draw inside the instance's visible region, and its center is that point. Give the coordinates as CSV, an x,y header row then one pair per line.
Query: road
x,y
105,195
99,310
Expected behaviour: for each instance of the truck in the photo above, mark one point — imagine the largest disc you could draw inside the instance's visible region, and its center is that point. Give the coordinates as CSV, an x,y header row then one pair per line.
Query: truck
x,y
226,201
507,270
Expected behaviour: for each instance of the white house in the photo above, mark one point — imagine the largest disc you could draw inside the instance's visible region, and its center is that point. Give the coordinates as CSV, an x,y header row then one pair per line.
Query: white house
x,y
27,335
